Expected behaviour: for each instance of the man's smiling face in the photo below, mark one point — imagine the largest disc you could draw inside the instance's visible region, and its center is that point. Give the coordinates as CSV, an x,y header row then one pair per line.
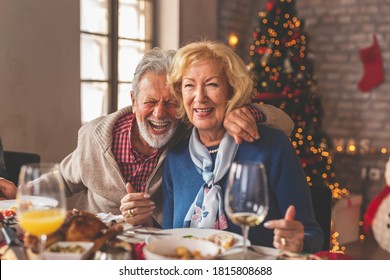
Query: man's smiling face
x,y
155,110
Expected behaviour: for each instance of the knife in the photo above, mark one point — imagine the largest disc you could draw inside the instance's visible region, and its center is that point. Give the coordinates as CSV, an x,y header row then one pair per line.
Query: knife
x,y
14,243
134,232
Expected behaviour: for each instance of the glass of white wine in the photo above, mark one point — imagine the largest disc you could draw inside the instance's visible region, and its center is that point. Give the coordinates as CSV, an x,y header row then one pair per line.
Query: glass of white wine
x,y
246,196
41,203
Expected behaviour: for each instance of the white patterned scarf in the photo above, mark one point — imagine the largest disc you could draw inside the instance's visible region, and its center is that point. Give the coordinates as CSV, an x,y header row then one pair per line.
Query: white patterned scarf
x,y
207,210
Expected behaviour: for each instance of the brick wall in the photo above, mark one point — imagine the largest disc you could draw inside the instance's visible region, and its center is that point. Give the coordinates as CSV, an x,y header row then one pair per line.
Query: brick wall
x,y
239,17
338,29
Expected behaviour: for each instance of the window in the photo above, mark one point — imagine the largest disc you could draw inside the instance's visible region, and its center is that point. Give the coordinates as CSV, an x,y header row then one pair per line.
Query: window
x,y
114,36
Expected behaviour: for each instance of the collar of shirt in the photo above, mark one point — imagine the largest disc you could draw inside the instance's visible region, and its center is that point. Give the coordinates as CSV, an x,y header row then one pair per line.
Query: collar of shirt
x,y
124,150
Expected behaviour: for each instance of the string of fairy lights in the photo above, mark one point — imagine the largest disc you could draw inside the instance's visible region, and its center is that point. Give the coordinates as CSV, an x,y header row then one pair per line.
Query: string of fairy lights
x,y
353,149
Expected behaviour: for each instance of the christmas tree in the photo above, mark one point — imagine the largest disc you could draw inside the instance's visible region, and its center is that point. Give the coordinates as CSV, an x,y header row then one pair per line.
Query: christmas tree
x,y
283,69
284,73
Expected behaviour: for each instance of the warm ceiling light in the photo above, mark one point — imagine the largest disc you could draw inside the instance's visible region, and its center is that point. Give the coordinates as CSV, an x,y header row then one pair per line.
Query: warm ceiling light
x,y
233,40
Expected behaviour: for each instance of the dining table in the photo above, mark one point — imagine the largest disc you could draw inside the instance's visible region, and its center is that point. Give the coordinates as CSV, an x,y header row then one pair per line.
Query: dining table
x,y
139,237
133,239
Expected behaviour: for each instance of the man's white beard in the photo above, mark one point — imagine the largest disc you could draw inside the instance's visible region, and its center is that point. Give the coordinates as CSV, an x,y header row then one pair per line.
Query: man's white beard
x,y
155,141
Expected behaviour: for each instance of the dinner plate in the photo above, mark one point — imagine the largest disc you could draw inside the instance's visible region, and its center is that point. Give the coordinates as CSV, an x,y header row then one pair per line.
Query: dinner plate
x,y
35,200
7,204
68,250
199,233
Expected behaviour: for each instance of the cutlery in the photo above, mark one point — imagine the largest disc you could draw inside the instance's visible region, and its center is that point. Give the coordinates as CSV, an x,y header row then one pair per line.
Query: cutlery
x,y
14,243
134,232
134,227
252,249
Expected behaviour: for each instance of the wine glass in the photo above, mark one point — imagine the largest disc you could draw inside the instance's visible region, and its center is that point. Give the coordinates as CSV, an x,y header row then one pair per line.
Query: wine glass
x,y
41,204
246,197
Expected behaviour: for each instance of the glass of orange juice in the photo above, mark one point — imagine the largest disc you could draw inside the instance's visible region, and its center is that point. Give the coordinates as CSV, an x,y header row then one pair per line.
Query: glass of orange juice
x,y
41,203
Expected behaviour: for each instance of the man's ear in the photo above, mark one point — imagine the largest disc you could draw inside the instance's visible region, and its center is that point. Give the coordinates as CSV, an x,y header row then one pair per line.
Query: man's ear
x,y
132,96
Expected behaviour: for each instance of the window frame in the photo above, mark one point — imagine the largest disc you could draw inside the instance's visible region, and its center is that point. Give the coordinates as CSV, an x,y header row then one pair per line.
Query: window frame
x,y
113,39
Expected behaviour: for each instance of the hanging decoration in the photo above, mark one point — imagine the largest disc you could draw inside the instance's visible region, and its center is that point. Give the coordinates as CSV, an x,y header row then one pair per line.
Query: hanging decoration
x,y
373,67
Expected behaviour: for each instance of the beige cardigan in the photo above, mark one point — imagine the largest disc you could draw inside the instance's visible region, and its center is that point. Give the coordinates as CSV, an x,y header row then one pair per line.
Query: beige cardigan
x,y
93,179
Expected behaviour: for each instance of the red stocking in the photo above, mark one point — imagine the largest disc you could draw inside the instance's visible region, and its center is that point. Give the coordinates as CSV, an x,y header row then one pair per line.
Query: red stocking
x,y
373,69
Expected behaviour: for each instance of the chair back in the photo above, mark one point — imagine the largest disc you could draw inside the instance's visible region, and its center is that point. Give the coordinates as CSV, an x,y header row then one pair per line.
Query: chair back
x,y
322,204
14,161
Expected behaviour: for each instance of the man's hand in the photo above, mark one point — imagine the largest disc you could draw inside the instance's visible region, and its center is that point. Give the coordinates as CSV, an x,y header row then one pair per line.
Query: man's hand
x,y
137,208
241,125
7,189
288,233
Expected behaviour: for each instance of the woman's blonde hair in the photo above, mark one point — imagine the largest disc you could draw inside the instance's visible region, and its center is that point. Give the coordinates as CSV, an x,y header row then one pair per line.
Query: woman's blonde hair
x,y
233,67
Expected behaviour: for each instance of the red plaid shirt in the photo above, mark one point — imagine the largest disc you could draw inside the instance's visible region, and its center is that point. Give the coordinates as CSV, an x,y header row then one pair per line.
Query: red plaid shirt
x,y
134,166
258,115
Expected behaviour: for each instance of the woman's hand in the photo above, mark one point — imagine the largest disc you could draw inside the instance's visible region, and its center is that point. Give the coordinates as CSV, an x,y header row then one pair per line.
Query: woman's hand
x,y
288,233
7,189
137,208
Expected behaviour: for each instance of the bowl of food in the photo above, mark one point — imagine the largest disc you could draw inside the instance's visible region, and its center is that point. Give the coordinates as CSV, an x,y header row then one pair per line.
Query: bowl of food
x,y
68,250
180,249
226,241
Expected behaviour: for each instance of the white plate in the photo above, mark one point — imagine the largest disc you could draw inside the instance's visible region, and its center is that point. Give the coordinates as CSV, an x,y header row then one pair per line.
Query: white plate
x,y
200,233
157,250
36,200
7,204
87,246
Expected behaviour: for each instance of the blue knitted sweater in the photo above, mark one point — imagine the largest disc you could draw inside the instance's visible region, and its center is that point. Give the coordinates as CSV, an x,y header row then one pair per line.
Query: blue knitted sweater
x,y
287,184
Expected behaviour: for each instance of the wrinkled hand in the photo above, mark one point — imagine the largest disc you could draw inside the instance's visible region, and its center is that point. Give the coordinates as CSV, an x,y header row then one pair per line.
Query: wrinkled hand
x,y
288,233
7,189
241,125
136,208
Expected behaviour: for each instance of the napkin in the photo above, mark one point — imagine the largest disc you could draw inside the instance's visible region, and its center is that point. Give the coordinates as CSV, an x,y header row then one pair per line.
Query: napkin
x,y
137,250
109,218
326,255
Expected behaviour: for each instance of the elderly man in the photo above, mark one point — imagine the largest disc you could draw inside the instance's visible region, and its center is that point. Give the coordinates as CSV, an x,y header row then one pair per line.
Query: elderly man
x,y
116,166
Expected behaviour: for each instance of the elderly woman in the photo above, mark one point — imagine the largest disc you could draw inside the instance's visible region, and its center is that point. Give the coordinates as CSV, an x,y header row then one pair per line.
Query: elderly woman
x,y
209,80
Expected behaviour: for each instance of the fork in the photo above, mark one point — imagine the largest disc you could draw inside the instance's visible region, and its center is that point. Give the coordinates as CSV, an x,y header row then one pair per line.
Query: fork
x,y
132,233
252,249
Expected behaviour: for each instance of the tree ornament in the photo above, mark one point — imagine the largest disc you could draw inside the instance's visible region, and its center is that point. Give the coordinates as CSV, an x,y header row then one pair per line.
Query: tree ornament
x,y
270,5
267,53
287,65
